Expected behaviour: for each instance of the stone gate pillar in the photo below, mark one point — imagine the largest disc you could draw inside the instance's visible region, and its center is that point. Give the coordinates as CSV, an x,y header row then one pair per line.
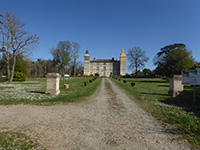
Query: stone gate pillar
x,y
175,85
53,83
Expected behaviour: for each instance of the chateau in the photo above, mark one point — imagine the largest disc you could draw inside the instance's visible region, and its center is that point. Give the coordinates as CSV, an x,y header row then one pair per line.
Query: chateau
x,y
105,67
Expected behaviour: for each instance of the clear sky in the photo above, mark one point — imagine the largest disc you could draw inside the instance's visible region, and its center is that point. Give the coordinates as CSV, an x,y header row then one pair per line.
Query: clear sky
x,y
107,26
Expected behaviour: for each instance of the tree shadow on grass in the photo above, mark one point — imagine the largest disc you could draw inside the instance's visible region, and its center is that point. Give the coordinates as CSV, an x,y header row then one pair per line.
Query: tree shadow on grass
x,y
154,94
147,81
153,81
185,101
163,85
38,92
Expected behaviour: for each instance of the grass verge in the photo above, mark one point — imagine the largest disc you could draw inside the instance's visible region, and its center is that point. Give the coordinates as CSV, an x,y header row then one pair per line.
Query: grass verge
x,y
74,93
178,114
17,140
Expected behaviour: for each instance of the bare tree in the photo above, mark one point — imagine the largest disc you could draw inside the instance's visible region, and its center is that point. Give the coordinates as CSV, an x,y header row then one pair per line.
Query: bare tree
x,y
75,54
136,58
61,55
80,68
15,39
4,41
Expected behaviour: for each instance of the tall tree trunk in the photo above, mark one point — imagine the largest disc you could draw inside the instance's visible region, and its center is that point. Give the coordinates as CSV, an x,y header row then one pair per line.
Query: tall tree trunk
x,y
74,67
136,71
63,79
8,54
1,76
8,67
13,66
35,65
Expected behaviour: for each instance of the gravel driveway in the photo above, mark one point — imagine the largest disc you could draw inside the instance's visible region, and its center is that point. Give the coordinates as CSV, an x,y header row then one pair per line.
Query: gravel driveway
x,y
109,120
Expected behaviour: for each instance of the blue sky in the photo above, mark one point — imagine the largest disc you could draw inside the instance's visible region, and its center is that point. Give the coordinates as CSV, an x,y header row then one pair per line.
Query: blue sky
x,y
107,26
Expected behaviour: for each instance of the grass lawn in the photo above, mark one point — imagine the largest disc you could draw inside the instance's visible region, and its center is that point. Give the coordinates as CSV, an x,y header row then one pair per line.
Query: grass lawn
x,y
32,91
178,115
17,140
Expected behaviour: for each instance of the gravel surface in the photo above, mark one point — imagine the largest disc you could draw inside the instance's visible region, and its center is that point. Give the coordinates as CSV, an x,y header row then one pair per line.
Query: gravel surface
x,y
109,120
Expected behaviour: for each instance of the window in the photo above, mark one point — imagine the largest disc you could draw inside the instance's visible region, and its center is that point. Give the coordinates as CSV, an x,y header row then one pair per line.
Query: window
x,y
98,68
104,68
104,63
111,68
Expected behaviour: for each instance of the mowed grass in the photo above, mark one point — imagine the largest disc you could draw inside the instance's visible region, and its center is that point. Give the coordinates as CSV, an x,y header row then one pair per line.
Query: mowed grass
x,y
76,91
179,115
17,141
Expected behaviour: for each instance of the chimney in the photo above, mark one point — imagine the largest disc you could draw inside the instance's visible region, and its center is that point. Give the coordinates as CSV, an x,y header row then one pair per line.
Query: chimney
x,y
94,58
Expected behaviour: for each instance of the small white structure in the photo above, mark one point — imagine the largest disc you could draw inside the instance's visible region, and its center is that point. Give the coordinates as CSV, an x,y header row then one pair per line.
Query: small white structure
x,y
175,86
53,83
67,76
191,77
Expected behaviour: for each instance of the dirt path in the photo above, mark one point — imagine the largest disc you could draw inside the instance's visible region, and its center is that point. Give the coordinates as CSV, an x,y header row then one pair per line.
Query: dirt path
x,y
110,120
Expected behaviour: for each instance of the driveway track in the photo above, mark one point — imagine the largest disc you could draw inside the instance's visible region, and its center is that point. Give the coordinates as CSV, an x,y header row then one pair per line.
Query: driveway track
x,y
108,120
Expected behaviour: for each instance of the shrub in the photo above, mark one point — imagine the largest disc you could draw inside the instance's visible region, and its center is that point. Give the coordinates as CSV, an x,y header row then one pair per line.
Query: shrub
x,y
19,76
96,74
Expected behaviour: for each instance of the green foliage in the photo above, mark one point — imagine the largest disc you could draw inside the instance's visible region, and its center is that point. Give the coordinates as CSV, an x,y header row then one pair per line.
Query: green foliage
x,y
178,60
148,73
172,60
22,65
19,76
196,66
165,50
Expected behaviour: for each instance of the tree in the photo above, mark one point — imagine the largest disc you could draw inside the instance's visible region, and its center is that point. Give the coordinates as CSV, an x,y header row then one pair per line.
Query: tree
x,y
22,64
137,58
15,40
172,59
165,50
2,66
196,66
147,73
5,42
75,54
61,55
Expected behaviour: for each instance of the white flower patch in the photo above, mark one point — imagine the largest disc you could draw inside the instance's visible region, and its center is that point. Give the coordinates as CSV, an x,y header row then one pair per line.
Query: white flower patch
x,y
28,90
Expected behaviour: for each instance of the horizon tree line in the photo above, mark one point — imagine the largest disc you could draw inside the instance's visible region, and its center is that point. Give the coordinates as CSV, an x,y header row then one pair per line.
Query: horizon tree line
x,y
16,44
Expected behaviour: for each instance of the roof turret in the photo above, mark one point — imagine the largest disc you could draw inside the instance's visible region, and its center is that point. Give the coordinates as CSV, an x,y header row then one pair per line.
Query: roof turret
x,y
123,53
87,53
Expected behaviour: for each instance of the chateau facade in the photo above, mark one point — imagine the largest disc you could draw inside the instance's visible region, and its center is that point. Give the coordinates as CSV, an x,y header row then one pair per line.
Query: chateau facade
x,y
105,67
